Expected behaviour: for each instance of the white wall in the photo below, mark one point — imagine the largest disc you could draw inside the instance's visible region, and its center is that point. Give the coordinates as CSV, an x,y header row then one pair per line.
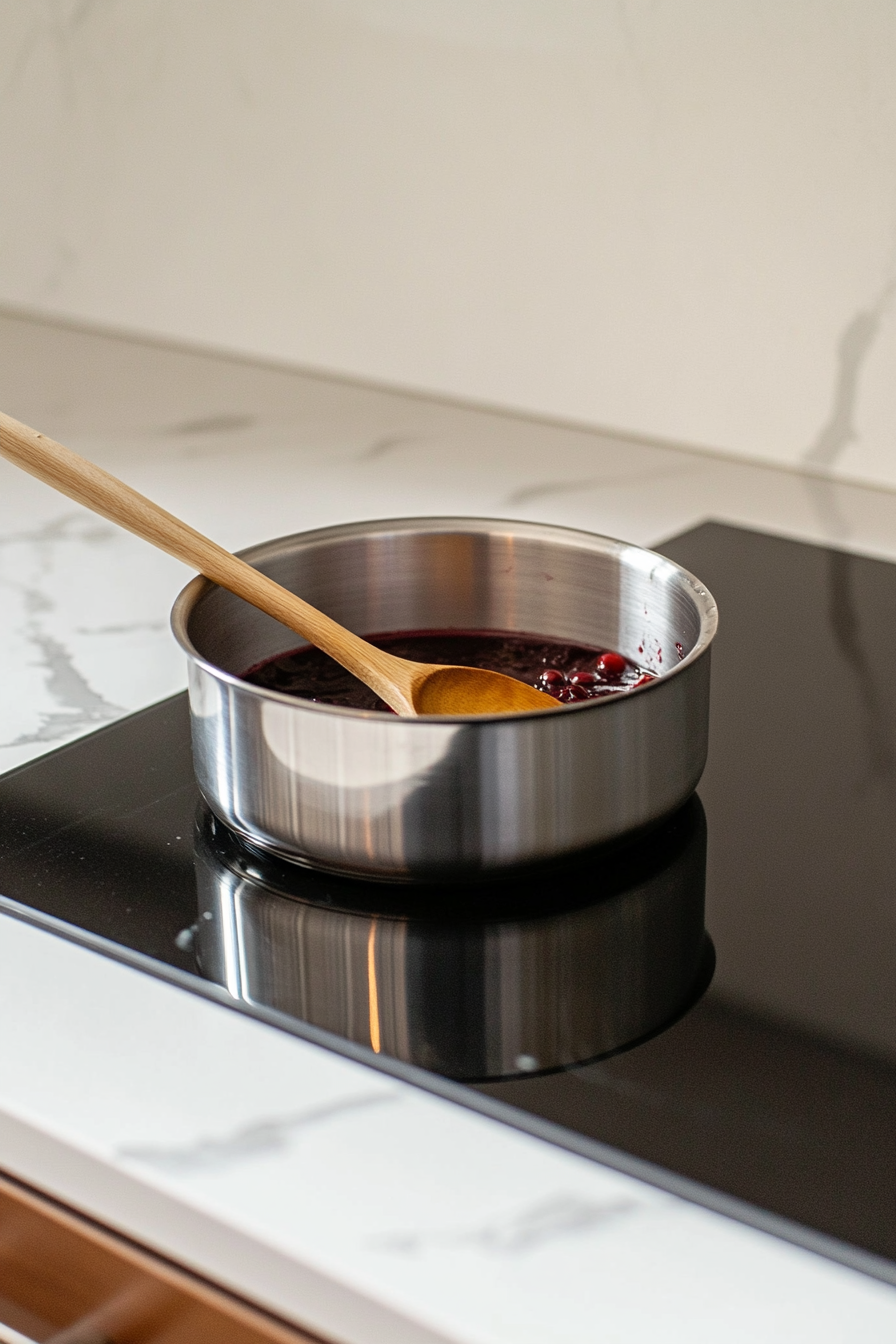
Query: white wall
x,y
675,217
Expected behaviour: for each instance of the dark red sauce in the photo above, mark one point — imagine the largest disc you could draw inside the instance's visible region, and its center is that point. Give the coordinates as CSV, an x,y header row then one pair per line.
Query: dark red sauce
x,y
568,672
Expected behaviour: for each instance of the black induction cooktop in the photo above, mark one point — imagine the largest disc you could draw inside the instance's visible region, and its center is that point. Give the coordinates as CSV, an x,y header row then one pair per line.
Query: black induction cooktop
x,y
711,1005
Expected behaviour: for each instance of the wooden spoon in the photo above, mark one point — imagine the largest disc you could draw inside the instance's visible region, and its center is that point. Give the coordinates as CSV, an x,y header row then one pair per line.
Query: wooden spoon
x,y
409,688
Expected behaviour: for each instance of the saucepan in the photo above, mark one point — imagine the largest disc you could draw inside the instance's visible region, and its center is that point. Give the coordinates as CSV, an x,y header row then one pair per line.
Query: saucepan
x,y
474,981
417,799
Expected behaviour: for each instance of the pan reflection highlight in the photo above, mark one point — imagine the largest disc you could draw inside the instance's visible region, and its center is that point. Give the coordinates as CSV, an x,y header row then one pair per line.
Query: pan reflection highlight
x,y
532,973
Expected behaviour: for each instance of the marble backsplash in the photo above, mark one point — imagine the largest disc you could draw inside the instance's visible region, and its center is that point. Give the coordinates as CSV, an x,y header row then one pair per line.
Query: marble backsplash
x,y
673,220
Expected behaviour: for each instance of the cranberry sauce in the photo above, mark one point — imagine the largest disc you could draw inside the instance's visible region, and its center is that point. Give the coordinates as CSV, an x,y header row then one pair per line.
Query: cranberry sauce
x,y
568,672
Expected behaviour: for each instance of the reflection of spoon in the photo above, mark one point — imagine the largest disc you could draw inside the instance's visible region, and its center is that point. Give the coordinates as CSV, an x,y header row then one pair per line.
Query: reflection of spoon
x,y
409,688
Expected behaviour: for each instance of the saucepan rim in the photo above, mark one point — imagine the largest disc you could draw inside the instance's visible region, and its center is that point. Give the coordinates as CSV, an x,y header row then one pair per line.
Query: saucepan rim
x,y
189,596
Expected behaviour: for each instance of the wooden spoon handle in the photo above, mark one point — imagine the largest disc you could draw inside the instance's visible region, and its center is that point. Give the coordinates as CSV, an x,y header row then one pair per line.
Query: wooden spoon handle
x,y
105,494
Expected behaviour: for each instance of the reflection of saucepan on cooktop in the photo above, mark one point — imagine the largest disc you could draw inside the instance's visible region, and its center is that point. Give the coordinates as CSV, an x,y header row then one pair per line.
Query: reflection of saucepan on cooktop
x,y
530,974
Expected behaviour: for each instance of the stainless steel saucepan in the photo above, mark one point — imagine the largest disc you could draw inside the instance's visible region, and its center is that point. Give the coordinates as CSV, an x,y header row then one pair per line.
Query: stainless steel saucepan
x,y
381,796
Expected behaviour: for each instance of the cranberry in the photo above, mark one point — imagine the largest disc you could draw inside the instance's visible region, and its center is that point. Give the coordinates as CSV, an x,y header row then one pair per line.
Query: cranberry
x,y
611,665
586,679
551,679
571,693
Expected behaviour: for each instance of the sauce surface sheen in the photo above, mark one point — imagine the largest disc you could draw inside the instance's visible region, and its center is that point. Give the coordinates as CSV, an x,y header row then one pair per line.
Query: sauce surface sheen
x,y
569,672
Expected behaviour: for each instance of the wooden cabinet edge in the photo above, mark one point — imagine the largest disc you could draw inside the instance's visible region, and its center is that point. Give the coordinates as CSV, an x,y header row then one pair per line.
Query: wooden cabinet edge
x,y
150,1263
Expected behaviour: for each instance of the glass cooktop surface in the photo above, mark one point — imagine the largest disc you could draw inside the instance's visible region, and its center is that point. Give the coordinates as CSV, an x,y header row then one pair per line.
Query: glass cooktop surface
x,y
717,997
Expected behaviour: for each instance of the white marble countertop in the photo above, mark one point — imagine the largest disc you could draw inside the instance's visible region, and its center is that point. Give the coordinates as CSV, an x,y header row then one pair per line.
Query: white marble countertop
x,y
342,1198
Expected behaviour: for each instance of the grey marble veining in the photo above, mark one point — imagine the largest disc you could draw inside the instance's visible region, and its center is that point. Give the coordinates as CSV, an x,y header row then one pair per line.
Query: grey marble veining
x,y
840,430
530,1227
260,1138
543,490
